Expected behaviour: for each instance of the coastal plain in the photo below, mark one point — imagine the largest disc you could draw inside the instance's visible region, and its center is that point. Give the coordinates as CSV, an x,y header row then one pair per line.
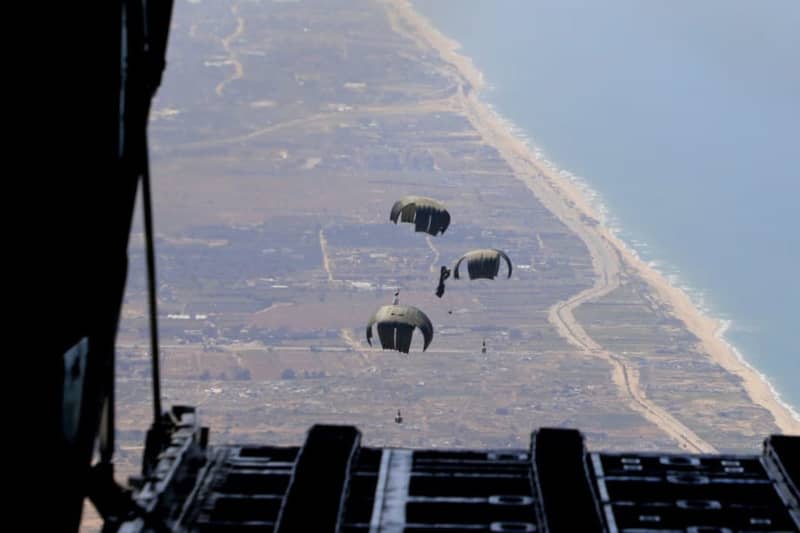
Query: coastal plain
x,y
282,135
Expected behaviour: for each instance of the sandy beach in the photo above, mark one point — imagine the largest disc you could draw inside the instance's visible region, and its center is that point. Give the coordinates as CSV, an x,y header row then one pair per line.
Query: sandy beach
x,y
609,254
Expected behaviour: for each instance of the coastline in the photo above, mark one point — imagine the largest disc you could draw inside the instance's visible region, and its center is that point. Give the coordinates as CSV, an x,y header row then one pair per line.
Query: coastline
x,y
609,253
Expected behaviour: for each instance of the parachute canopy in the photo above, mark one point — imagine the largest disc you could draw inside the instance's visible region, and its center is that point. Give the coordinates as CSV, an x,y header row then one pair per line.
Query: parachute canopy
x,y
483,263
427,214
396,323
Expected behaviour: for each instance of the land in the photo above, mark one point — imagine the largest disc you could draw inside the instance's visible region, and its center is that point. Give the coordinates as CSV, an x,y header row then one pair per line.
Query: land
x,y
282,135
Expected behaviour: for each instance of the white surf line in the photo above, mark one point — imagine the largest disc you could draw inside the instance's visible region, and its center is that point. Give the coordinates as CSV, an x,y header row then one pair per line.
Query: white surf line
x,y
605,261
607,265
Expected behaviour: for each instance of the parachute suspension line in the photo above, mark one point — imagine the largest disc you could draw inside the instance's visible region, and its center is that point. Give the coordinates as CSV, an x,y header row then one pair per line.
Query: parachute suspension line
x,y
151,288
435,252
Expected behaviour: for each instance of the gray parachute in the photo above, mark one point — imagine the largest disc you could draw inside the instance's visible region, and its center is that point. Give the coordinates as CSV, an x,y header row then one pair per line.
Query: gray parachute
x,y
395,325
483,263
427,214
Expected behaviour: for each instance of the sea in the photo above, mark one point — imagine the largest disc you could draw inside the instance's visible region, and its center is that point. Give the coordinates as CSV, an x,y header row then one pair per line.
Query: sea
x,y
681,118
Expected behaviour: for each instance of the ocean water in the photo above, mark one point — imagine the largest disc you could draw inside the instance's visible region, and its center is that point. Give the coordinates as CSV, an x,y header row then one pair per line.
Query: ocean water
x,y
683,116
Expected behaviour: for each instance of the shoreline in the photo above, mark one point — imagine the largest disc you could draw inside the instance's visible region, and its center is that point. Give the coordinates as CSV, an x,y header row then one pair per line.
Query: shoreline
x,y
566,199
